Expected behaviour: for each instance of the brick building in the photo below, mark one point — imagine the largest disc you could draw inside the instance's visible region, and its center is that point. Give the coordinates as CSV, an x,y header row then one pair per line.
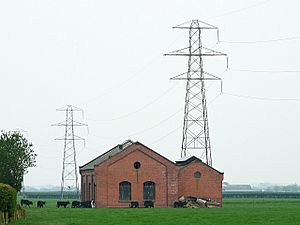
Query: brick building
x,y
133,172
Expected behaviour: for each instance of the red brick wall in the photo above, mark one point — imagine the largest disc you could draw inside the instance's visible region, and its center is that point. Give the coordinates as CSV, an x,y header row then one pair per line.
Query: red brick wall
x,y
120,168
171,181
209,185
150,170
87,182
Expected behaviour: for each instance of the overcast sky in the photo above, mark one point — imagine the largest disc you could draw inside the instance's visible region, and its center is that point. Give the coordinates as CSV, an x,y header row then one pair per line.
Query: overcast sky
x,y
106,57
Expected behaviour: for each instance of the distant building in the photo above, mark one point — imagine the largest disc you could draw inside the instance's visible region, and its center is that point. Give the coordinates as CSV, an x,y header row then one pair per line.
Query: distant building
x,y
237,187
133,172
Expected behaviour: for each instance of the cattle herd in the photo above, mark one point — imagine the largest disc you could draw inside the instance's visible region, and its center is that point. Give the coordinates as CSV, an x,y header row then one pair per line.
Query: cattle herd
x,y
85,204
147,204
75,204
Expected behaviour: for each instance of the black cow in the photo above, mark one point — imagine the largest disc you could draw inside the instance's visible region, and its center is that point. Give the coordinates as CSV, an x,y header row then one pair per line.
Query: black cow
x,y
26,202
149,204
134,204
62,203
86,204
40,204
75,204
179,204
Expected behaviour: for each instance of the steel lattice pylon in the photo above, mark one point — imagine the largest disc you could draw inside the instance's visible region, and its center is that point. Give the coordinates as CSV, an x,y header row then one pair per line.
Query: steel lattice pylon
x,y
69,180
195,126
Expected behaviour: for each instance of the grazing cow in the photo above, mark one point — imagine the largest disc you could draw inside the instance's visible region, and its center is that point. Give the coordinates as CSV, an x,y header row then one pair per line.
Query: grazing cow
x,y
75,204
26,202
40,204
134,204
93,204
86,204
148,204
62,203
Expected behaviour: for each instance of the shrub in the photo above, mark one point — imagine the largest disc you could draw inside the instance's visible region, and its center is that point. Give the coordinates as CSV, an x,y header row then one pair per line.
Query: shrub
x,y
8,199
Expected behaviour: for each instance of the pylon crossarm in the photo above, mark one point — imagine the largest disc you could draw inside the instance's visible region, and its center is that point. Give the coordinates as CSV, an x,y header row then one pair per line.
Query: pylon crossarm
x,y
69,107
63,124
203,25
186,52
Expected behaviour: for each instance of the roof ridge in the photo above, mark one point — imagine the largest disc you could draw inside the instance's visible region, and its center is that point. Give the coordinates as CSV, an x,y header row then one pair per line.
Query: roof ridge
x,y
118,148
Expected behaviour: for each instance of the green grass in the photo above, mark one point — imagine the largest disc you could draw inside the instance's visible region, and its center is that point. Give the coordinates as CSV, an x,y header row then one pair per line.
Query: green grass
x,y
234,212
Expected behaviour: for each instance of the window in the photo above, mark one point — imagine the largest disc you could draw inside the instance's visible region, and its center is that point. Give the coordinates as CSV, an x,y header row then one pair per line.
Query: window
x,y
89,191
92,188
149,190
197,175
83,192
125,191
94,192
137,165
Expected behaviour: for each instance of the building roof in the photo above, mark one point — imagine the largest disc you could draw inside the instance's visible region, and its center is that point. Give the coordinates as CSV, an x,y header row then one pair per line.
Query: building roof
x,y
188,159
119,148
110,153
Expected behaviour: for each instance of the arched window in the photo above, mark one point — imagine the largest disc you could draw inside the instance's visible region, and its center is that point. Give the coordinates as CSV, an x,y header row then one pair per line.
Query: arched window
x,y
125,191
94,196
149,190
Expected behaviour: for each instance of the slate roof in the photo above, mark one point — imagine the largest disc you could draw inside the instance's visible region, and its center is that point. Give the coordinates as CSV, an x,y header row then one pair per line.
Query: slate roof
x,y
115,150
187,160
110,153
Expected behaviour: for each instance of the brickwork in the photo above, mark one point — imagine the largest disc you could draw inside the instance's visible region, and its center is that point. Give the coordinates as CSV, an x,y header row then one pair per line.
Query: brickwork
x,y
171,181
87,185
209,185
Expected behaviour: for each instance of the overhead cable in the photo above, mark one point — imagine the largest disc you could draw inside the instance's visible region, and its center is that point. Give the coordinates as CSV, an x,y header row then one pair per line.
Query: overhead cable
x,y
146,129
239,10
265,71
261,98
139,109
172,131
262,41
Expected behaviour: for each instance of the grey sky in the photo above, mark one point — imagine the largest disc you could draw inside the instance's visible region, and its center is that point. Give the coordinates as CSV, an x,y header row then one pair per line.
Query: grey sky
x,y
107,58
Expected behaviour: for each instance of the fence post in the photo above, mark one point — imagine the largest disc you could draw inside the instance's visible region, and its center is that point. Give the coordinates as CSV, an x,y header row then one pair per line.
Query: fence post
x,y
1,217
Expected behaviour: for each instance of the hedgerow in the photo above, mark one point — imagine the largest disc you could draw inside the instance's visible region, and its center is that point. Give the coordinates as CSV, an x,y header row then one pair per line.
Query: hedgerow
x,y
8,202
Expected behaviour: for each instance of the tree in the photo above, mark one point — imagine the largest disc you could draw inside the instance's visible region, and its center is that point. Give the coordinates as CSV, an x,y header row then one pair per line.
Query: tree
x,y
16,156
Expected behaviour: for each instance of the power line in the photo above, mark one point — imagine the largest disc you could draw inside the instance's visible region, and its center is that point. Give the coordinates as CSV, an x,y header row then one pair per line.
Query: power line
x,y
172,131
261,98
163,137
138,110
146,129
135,74
122,83
156,125
265,71
262,41
143,107
239,10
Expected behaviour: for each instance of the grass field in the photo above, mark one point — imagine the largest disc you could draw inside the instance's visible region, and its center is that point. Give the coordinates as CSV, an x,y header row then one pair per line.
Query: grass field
x,y
234,212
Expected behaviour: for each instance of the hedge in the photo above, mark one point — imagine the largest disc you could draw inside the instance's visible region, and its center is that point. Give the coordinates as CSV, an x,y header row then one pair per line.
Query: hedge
x,y
50,194
8,196
8,203
260,194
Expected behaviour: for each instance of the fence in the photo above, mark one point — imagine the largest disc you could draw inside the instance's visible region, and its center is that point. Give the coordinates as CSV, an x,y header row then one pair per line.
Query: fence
x,y
5,218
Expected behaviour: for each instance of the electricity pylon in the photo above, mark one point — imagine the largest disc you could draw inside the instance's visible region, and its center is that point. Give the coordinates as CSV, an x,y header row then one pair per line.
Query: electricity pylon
x,y
69,172
195,126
